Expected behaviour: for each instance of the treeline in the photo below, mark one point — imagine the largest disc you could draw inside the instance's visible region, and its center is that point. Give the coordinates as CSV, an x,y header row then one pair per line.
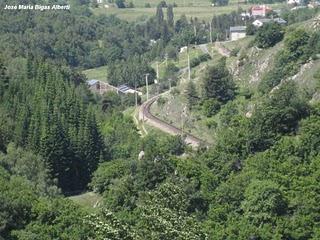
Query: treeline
x,y
131,72
54,119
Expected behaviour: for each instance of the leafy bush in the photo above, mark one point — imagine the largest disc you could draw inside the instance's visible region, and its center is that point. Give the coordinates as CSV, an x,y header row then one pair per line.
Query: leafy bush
x,y
269,35
202,58
210,107
235,52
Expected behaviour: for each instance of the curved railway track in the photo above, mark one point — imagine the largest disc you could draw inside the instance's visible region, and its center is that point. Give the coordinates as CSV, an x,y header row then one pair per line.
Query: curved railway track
x,y
146,116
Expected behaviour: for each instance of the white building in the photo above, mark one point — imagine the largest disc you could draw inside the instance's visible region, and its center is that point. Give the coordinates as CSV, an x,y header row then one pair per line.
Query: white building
x,y
237,32
183,49
295,2
259,22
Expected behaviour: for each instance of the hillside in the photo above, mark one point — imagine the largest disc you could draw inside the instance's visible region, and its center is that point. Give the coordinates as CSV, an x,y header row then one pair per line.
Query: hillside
x,y
222,140
248,66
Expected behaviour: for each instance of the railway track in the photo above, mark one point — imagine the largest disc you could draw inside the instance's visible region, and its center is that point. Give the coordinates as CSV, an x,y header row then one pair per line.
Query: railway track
x,y
146,116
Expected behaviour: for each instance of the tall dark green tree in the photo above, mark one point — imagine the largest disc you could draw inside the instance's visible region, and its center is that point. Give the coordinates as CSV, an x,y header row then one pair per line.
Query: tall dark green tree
x,y
159,15
170,16
191,95
218,83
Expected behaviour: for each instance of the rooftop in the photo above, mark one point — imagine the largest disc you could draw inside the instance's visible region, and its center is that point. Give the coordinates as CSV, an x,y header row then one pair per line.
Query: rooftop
x,y
238,29
92,82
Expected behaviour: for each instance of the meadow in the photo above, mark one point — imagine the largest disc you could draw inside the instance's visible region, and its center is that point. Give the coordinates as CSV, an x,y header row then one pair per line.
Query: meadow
x,y
201,9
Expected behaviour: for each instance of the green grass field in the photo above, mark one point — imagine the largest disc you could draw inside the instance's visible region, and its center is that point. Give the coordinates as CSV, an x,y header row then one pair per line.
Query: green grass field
x,y
99,73
180,3
202,10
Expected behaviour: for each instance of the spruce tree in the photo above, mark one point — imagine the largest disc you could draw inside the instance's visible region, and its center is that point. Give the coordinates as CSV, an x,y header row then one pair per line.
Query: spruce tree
x,y
191,94
4,79
159,15
170,16
218,83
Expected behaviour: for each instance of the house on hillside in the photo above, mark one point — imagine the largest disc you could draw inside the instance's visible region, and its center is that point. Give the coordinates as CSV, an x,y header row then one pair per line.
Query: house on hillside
x,y
237,32
260,11
259,22
103,87
295,2
94,85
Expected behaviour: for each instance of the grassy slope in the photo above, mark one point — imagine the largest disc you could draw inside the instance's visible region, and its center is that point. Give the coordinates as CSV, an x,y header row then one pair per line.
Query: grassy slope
x,y
99,73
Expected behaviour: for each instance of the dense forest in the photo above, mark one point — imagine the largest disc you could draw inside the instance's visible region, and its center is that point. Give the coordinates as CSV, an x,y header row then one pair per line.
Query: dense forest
x,y
259,180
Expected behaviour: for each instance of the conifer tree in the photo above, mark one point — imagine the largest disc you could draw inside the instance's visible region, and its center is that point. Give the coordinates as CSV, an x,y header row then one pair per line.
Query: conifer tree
x,y
4,80
159,15
170,16
191,94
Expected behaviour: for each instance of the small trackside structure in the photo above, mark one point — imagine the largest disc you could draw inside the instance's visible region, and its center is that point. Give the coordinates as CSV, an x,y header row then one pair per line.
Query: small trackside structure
x,y
237,32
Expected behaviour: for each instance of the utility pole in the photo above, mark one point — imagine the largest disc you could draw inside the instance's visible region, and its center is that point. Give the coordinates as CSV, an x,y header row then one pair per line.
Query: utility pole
x,y
195,32
169,83
157,70
135,93
166,56
189,70
211,32
147,86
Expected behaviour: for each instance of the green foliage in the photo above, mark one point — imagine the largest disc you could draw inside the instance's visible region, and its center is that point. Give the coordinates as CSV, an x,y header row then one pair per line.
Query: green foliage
x,y
107,172
198,60
170,16
299,15
121,136
163,215
191,95
263,201
16,201
222,22
210,107
105,225
217,83
52,118
120,3
131,72
297,50
30,166
55,219
278,114
269,35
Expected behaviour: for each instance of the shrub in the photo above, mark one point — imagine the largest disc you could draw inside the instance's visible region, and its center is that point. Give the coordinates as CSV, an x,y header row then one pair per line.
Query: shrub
x,y
269,35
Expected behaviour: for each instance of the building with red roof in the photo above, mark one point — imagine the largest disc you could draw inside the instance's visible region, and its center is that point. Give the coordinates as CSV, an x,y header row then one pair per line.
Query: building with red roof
x,y
260,11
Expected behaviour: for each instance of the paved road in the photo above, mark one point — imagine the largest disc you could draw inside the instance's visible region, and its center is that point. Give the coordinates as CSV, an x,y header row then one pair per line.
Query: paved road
x,y
146,116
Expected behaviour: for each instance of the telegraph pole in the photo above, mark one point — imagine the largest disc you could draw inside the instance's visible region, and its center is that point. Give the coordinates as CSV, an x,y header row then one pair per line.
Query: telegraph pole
x,y
135,93
157,70
189,70
211,32
147,86
166,56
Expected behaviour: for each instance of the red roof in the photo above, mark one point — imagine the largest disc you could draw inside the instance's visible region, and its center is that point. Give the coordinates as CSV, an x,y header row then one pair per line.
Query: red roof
x,y
261,8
